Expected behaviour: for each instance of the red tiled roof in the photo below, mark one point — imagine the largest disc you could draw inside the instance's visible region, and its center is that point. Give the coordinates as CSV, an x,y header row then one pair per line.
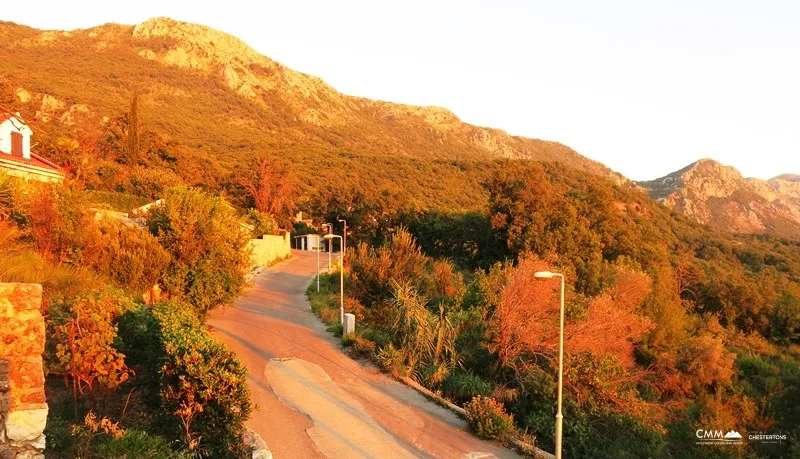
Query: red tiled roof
x,y
5,115
35,160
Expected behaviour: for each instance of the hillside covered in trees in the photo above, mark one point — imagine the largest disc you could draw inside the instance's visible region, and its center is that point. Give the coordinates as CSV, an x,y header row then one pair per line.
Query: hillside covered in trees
x,y
672,326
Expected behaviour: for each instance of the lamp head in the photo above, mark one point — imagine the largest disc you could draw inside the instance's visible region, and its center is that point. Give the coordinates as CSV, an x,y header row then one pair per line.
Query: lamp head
x,y
544,275
328,236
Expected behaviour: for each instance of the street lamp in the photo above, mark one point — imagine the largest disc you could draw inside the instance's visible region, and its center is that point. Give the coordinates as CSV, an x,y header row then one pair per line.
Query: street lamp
x,y
329,237
318,249
344,240
559,416
330,246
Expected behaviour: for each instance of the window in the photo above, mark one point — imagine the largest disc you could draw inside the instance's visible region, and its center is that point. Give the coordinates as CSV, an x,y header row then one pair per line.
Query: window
x,y
16,143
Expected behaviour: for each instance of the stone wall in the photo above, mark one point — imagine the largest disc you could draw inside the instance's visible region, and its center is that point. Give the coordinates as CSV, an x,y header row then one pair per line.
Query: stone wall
x,y
269,249
23,410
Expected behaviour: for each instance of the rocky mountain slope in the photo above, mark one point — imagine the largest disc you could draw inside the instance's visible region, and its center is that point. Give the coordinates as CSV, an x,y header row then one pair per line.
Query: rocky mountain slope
x,y
718,195
208,90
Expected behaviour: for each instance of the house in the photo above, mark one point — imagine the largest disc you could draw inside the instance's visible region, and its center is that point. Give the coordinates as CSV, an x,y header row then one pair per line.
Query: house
x,y
16,158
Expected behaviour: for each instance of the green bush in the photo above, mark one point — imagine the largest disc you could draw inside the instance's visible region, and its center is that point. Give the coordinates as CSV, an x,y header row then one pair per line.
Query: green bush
x,y
208,247
462,386
131,257
262,223
135,443
203,385
488,418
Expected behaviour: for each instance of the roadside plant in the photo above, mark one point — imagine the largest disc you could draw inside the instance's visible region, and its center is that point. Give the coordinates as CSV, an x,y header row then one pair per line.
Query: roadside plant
x,y
488,418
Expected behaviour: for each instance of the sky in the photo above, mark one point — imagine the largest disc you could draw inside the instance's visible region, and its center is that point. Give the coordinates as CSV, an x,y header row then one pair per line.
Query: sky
x,y
643,87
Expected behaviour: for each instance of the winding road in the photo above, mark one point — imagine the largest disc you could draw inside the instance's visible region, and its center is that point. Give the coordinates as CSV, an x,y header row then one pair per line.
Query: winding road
x,y
312,400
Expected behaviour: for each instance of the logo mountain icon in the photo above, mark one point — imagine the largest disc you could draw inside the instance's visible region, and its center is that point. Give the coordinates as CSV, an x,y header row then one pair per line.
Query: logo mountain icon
x,y
733,434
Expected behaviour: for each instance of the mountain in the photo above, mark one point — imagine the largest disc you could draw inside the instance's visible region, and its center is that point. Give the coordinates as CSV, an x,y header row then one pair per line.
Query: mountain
x,y
210,93
718,195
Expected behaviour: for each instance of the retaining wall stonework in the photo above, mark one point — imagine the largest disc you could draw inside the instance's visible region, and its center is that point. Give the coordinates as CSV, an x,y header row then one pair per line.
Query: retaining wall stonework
x,y
269,249
23,409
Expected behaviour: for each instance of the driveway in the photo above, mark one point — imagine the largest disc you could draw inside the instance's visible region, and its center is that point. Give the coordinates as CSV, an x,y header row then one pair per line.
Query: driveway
x,y
312,400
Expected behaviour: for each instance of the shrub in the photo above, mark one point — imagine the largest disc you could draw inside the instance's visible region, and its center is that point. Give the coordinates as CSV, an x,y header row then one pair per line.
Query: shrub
x,y
203,385
57,220
462,386
82,336
152,182
132,258
208,247
135,443
488,418
262,223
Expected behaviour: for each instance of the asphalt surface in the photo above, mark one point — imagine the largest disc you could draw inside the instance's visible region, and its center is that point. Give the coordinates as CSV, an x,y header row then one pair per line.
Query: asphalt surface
x,y
311,399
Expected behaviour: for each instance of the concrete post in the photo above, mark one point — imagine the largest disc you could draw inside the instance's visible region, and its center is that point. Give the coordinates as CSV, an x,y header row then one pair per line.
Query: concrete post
x,y
349,324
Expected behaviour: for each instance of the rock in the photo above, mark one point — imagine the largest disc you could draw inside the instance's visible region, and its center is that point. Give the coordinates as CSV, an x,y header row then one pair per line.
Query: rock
x,y
23,95
50,104
29,455
40,443
262,454
26,425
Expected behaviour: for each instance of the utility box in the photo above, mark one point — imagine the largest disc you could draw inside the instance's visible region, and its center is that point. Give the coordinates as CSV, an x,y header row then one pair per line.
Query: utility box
x,y
349,324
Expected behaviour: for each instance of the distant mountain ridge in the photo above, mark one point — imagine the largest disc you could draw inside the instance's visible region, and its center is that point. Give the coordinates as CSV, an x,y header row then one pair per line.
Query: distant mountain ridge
x,y
194,72
720,196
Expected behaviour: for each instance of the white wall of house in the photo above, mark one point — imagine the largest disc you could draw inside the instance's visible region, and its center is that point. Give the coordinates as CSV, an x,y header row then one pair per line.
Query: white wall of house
x,y
14,125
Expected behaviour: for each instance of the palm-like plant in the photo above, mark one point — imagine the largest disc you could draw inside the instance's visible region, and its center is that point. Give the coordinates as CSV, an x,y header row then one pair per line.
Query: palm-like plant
x,y
426,339
20,263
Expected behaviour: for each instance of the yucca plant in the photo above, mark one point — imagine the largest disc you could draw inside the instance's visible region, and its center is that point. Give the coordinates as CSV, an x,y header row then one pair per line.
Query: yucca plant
x,y
426,340
20,263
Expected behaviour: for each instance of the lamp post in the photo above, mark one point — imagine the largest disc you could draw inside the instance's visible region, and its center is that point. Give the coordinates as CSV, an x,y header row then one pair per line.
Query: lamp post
x,y
330,244
330,237
559,416
319,249
344,239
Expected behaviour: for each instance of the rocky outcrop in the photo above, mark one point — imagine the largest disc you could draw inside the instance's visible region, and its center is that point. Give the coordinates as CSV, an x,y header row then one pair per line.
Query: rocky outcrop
x,y
718,195
23,411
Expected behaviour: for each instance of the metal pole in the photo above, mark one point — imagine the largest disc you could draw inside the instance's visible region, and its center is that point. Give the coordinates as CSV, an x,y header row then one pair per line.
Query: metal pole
x,y
559,416
344,241
329,246
319,248
341,294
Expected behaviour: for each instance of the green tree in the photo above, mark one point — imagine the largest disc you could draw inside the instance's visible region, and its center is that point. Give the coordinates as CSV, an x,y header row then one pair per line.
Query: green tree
x,y
208,247
133,130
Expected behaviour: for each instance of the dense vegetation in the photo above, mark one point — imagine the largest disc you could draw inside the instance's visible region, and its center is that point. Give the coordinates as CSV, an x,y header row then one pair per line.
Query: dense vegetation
x,y
670,326
143,376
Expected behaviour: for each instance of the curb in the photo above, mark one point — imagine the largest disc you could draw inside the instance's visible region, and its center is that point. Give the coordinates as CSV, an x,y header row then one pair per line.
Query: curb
x,y
254,441
525,448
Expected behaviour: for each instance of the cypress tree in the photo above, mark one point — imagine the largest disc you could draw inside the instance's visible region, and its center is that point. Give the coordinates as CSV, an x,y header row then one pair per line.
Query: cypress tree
x,y
133,130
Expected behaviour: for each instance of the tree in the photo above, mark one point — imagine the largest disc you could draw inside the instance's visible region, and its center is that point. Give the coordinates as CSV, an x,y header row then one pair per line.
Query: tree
x,y
208,247
133,130
271,187
83,333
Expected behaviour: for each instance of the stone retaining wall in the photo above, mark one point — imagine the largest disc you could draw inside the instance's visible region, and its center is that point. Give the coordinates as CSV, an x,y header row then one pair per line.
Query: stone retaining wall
x,y
23,409
269,249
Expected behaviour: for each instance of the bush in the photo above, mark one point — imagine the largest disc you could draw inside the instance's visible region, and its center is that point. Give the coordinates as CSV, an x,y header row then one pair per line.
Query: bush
x,y
131,257
135,443
57,220
488,418
82,333
208,247
463,386
262,223
203,385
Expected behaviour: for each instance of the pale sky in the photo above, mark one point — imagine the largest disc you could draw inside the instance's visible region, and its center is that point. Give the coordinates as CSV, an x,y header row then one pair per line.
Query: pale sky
x,y
645,88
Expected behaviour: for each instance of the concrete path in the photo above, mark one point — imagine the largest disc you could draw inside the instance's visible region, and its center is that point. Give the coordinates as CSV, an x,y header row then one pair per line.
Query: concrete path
x,y
311,399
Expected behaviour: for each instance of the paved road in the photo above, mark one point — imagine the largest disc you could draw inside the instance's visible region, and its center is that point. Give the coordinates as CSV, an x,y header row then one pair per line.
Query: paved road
x,y
313,400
